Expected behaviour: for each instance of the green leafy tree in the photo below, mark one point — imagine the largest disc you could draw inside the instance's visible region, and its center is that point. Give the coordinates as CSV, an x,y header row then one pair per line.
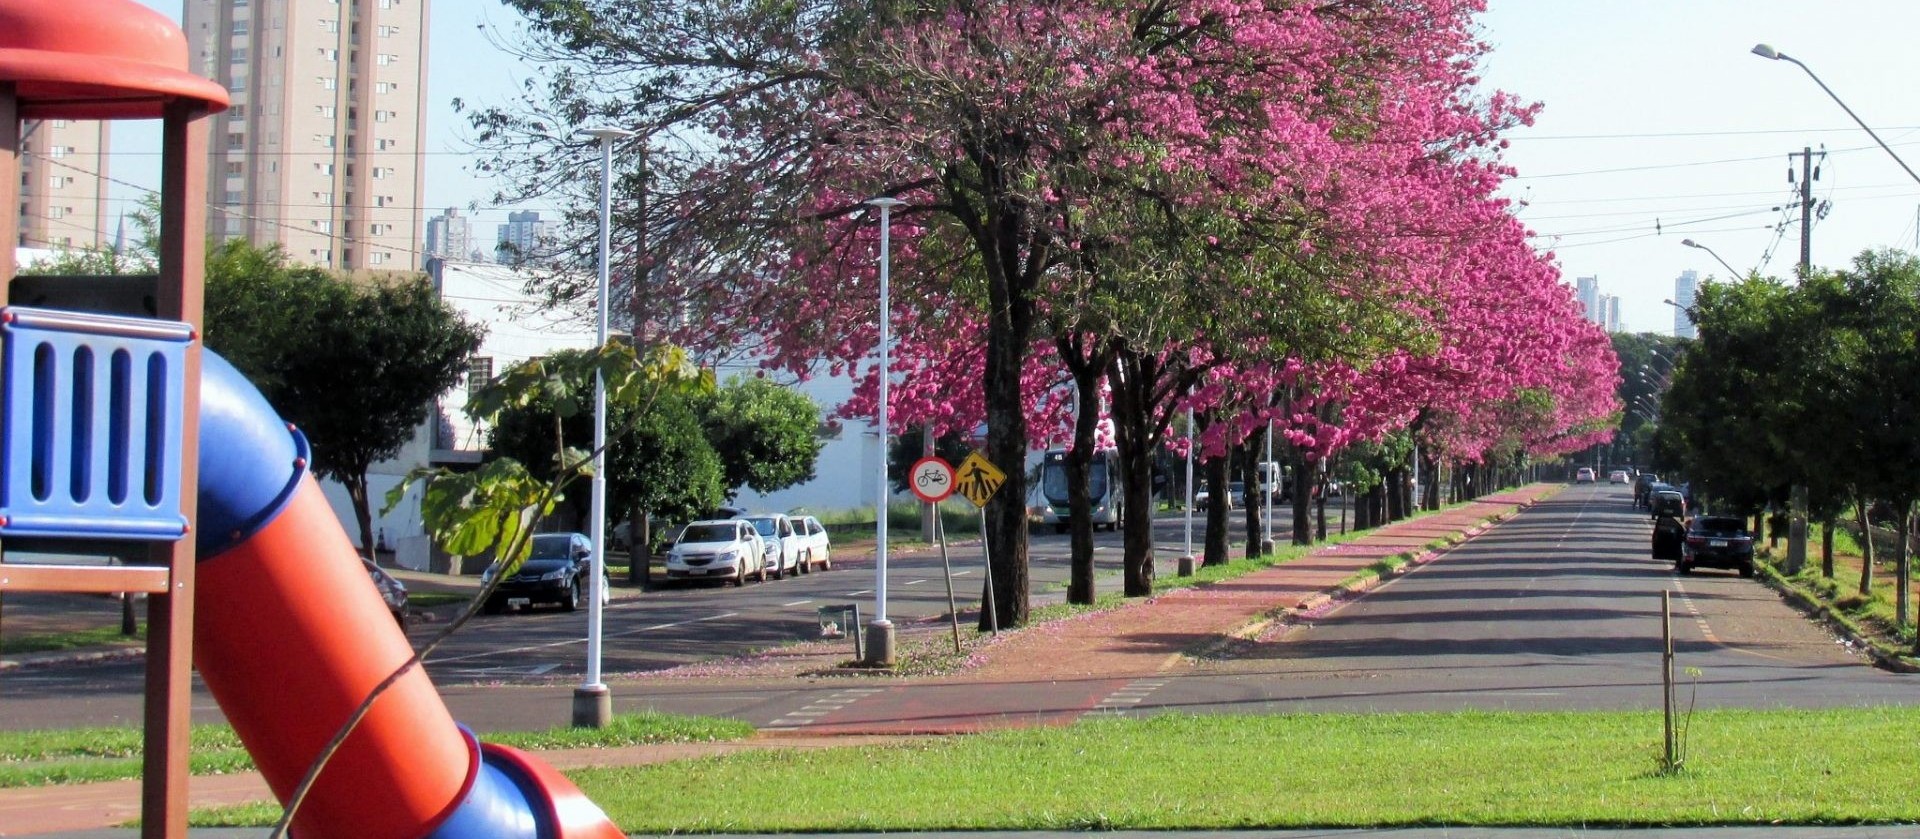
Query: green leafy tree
x,y
767,435
356,367
657,456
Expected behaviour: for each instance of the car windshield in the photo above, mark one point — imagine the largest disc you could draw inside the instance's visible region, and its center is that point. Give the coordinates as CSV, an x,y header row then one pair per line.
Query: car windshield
x,y
551,546
708,533
765,526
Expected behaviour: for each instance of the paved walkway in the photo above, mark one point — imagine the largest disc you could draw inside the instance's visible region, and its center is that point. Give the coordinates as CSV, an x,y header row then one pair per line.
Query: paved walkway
x,y
1082,662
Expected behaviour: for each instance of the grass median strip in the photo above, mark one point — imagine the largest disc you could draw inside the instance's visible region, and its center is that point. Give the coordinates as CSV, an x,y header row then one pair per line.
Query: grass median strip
x,y
1294,771
82,755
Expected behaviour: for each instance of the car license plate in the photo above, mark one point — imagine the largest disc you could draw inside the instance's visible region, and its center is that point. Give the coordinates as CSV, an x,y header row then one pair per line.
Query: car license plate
x,y
1717,543
516,602
696,572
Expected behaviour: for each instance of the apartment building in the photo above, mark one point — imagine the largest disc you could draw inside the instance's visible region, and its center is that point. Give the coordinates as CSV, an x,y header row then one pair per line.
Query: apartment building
x,y
63,187
321,151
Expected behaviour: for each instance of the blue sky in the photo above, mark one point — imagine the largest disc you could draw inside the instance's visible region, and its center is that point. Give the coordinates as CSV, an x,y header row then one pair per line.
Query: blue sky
x,y
1659,125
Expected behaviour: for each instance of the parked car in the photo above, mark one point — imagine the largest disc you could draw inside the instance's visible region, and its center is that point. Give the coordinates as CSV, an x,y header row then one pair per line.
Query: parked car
x,y
816,551
718,549
1201,498
1667,503
558,570
782,550
1617,476
1584,476
392,591
1717,542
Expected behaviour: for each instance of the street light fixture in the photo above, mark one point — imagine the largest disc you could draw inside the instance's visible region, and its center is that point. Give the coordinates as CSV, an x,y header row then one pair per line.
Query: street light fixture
x,y
1693,244
1768,52
880,630
592,702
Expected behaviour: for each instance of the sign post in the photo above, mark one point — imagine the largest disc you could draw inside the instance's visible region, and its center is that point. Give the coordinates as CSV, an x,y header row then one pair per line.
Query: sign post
x,y
932,481
977,481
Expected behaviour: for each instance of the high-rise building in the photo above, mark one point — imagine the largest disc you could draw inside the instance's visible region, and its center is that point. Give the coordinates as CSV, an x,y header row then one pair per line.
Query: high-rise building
x,y
320,152
449,235
1612,309
63,187
1588,291
521,237
1683,289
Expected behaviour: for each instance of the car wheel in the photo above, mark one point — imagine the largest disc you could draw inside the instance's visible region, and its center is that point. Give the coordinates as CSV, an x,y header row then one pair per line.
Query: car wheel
x,y
573,596
1746,570
1683,567
493,606
827,564
758,576
779,573
1060,528
740,576
400,617
806,563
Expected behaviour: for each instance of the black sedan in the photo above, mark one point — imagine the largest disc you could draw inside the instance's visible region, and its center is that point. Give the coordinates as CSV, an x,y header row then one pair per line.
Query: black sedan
x,y
558,571
1717,542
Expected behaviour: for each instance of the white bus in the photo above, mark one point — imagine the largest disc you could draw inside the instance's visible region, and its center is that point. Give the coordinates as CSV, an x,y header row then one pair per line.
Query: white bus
x,y
1103,484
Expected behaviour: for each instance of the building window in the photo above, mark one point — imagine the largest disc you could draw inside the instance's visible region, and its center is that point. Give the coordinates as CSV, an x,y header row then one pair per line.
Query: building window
x,y
386,59
235,167
479,372
324,110
56,212
330,26
382,116
377,258
327,82
236,141
323,168
388,31
329,54
58,151
239,55
54,181
235,197
240,27
384,87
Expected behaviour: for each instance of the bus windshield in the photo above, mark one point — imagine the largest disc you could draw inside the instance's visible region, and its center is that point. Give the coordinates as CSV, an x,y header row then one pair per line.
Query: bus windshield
x,y
1053,480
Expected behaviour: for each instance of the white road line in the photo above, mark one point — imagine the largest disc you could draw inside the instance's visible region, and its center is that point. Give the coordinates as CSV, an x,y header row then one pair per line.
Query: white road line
x,y
860,592
580,640
914,582
961,573
796,603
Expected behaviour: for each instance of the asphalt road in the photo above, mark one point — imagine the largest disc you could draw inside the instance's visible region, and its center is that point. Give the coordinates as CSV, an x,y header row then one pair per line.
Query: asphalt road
x,y
669,627
1557,608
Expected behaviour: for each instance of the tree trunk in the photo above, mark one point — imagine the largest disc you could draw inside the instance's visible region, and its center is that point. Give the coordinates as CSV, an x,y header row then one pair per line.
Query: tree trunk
x,y
1009,334
1256,495
1396,500
1430,494
1219,516
1301,498
1087,373
1866,546
1901,588
1130,377
356,485
1826,546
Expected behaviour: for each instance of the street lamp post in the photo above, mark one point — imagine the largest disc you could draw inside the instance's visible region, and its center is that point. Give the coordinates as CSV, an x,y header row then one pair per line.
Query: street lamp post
x,y
592,702
880,630
1768,52
1733,275
1268,492
1187,562
1797,494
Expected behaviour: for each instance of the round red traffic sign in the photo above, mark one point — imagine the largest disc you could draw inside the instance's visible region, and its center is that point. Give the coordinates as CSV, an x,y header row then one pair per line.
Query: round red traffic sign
x,y
931,479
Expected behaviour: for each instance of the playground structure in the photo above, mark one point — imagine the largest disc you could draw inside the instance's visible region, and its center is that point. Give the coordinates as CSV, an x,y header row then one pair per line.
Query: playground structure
x,y
117,425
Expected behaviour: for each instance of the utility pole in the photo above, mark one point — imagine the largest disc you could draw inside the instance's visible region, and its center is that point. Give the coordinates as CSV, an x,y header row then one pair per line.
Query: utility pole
x,y
1797,494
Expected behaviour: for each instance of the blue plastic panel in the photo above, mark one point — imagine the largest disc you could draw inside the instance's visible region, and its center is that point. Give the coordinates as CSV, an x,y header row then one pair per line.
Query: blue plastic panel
x,y
90,431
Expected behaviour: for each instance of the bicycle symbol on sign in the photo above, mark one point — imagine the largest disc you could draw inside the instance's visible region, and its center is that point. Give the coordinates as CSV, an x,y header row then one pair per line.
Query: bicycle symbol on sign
x,y
931,480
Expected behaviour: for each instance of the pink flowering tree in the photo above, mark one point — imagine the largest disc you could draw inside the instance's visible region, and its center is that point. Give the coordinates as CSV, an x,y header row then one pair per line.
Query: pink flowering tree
x,y
1162,187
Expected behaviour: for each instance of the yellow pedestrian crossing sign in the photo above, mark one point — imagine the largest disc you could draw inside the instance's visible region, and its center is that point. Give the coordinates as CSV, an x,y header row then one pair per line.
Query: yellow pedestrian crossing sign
x,y
977,479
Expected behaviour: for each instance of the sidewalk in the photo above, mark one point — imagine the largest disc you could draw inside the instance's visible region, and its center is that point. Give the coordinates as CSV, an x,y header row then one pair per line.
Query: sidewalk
x,y
1138,639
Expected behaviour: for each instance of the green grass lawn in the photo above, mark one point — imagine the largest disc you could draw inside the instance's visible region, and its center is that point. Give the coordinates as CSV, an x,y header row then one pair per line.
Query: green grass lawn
x,y
53,642
80,755
1221,772
1295,771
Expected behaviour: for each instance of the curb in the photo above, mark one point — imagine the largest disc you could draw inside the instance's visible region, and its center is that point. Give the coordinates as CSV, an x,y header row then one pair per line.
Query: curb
x,y
1884,656
35,661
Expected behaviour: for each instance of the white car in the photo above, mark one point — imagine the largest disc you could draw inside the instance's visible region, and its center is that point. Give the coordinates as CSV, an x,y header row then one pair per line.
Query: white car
x,y
815,550
718,550
1618,476
1584,476
783,551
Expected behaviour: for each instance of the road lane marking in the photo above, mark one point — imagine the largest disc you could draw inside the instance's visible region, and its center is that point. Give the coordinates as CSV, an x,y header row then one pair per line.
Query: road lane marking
x,y
580,640
914,582
795,603
860,592
1128,696
961,573
821,707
